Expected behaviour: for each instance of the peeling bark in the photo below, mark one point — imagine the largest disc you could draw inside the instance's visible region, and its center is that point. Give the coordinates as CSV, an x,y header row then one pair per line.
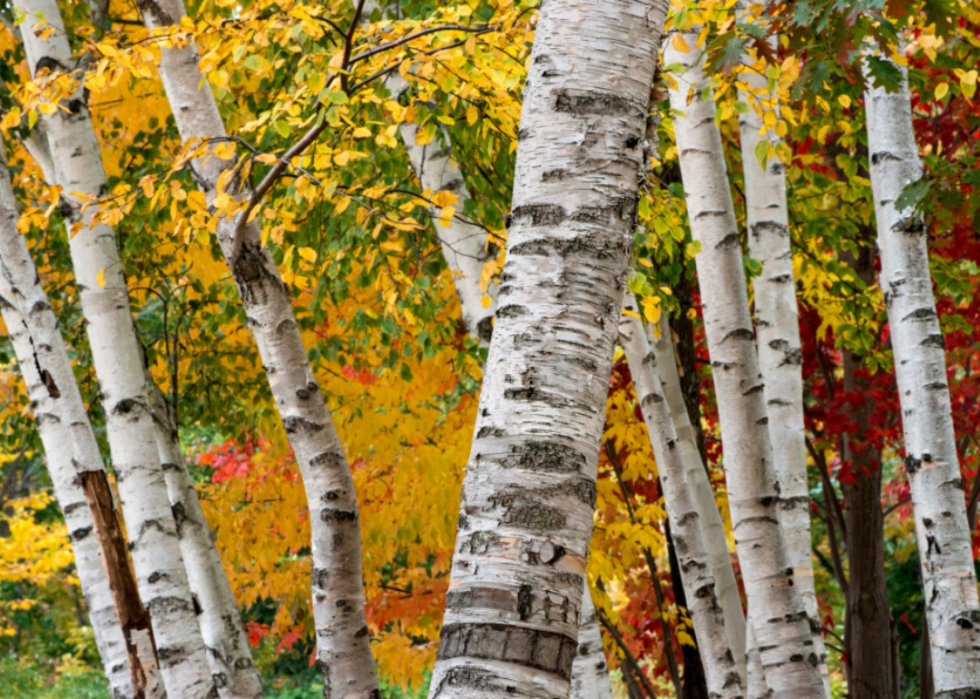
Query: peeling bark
x,y
343,641
721,671
159,568
513,608
931,461
776,609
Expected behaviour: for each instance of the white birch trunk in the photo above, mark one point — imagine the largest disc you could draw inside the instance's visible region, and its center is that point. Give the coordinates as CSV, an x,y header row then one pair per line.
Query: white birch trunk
x,y
590,673
952,609
343,641
712,526
757,687
67,436
116,354
776,608
221,623
780,348
513,608
721,670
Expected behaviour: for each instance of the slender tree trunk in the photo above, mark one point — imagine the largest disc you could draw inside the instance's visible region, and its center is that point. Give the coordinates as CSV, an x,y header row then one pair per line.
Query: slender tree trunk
x,y
716,541
343,641
722,674
757,687
121,625
776,608
513,609
780,347
869,633
220,619
694,681
105,304
590,674
952,608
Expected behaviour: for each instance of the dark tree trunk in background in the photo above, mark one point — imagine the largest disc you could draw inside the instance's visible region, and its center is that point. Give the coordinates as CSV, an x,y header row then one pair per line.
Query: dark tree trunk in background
x,y
869,624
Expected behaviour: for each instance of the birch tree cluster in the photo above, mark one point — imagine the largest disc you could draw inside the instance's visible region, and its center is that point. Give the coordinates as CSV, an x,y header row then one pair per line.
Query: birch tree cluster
x,y
559,349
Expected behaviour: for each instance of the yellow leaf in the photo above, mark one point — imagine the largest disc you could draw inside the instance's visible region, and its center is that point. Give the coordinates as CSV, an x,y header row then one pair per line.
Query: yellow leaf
x,y
342,206
267,159
680,44
472,114
941,90
362,132
100,278
845,101
308,254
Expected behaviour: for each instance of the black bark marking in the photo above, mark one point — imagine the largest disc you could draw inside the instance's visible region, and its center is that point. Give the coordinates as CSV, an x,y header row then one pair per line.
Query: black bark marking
x,y
524,602
300,425
592,246
549,457
912,464
729,241
593,103
328,459
935,340
511,311
331,515
921,314
539,214
484,329
884,156
541,650
80,533
740,334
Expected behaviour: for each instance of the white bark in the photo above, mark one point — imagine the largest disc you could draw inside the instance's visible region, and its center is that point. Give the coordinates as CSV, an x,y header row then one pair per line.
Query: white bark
x,y
343,642
780,348
67,436
221,624
105,304
776,608
952,609
590,673
722,673
712,526
513,608
757,687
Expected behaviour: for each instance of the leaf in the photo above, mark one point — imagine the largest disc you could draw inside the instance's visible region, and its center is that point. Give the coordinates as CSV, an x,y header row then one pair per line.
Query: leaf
x,y
308,254
100,278
679,44
267,159
472,114
941,90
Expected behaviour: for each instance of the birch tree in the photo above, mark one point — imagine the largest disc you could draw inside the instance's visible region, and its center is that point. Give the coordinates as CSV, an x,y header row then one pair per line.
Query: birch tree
x,y
157,560
776,609
514,605
931,461
723,674
119,621
343,641
778,330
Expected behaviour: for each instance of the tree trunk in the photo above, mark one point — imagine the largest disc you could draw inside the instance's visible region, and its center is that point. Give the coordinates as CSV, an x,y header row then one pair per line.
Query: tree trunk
x,y
590,674
343,642
716,541
869,632
122,631
758,689
776,608
694,681
219,617
952,608
721,672
513,609
115,351
780,348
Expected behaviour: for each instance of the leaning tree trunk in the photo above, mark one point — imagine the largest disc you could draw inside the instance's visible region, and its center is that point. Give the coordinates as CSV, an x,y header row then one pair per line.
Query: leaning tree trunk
x,y
780,347
512,612
221,627
721,671
343,642
466,250
712,526
952,608
776,608
115,351
121,624
219,617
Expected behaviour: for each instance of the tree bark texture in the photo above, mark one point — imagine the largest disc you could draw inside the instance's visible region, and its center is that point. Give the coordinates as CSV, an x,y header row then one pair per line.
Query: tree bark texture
x,y
721,671
343,641
712,526
590,673
513,608
153,544
780,348
776,609
931,461
123,671
221,623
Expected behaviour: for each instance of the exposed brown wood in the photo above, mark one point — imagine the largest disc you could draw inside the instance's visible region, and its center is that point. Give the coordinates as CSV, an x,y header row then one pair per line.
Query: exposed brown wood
x,y
133,617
